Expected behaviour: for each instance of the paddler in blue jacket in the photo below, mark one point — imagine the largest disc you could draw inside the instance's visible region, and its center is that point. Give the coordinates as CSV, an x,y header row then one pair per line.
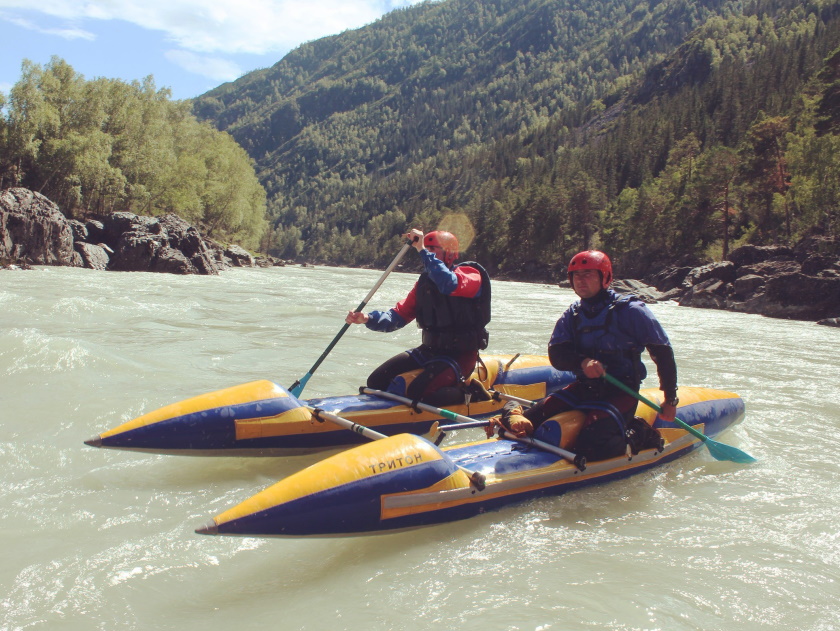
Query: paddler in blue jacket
x,y
451,304
601,332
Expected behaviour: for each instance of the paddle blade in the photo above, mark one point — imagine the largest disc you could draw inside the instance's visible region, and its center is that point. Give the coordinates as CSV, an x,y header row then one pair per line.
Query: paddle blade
x,y
298,386
720,451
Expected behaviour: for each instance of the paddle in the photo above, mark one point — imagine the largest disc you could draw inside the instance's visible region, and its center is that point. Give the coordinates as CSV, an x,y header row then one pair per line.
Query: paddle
x,y
300,384
718,450
320,415
477,479
578,461
498,396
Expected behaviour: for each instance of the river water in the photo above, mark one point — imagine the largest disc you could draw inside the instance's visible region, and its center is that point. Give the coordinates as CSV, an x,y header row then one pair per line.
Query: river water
x,y
102,539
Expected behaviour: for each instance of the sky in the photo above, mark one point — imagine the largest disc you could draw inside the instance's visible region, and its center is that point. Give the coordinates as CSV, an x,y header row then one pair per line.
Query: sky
x,y
188,46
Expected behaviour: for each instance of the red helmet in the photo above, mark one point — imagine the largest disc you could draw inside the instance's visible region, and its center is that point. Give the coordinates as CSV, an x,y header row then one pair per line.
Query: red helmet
x,y
447,243
592,259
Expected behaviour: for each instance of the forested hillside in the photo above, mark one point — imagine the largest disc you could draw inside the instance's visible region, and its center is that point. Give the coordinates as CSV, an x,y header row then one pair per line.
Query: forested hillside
x,y
676,127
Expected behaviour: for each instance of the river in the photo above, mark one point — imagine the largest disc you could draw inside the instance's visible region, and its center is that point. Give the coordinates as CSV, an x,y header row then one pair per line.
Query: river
x,y
103,539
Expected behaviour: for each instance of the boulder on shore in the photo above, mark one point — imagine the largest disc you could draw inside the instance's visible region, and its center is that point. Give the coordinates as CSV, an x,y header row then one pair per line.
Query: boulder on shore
x,y
239,256
266,260
801,283
644,292
149,244
33,230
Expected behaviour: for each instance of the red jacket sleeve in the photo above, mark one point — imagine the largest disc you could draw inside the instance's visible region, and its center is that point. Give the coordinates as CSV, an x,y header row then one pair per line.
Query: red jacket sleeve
x,y
407,307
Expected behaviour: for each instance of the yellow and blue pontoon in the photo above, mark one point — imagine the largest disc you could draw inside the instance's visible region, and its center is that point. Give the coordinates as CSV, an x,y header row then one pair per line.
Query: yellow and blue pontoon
x,y
262,418
406,481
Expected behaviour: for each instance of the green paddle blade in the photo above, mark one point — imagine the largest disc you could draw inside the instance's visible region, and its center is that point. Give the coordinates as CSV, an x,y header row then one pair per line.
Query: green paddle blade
x,y
720,451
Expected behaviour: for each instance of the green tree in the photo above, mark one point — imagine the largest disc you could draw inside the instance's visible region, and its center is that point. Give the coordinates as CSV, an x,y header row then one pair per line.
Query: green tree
x,y
712,194
764,165
815,175
105,145
586,200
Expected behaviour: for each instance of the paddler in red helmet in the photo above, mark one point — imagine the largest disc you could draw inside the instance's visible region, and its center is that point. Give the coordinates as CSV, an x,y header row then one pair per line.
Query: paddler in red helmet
x,y
603,332
451,303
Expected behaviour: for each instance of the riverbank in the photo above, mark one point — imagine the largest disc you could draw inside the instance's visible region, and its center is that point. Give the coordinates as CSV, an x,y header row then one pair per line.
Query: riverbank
x,y
800,282
34,231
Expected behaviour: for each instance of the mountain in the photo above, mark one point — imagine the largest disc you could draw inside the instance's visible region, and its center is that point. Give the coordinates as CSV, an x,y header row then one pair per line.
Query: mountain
x,y
541,121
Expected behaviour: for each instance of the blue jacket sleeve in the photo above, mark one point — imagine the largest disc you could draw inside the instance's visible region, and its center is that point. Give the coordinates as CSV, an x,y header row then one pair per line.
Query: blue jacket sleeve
x,y
385,321
443,277
646,327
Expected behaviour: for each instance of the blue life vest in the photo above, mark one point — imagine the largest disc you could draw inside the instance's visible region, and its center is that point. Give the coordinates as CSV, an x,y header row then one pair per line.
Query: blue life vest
x,y
601,337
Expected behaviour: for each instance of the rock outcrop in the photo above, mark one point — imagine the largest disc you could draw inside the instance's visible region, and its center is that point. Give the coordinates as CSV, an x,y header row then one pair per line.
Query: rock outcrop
x,y
801,283
239,257
149,244
644,292
34,231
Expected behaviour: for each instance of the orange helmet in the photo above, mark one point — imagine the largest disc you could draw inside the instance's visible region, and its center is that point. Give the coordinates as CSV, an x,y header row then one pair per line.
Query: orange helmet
x,y
445,245
592,259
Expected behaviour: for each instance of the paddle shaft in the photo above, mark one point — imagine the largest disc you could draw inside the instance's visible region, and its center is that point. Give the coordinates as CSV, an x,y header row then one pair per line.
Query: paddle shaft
x,y
472,424
509,397
580,463
457,426
610,379
300,384
320,414
719,451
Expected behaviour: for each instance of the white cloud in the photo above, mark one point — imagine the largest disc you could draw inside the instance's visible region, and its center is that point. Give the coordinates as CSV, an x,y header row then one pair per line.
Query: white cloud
x,y
65,33
210,67
222,26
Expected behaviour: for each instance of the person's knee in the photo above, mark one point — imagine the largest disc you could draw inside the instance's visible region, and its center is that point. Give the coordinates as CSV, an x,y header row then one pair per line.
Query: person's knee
x,y
384,374
548,407
377,382
380,378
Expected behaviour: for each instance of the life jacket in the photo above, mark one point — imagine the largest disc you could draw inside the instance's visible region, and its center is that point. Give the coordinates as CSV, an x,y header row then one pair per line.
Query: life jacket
x,y
453,324
601,337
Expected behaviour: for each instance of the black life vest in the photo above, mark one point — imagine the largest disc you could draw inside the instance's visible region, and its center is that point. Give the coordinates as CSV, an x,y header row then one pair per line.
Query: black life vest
x,y
453,324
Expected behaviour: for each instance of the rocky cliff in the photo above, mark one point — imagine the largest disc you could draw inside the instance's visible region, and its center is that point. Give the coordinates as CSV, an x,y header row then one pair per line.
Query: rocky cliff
x,y
34,231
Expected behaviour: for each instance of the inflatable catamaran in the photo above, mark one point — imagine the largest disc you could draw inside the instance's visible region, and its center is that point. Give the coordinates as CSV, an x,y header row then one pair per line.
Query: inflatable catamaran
x,y
403,479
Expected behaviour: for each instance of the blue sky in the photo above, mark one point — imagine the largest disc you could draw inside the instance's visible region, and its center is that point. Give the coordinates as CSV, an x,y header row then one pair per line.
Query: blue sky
x,y
189,46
